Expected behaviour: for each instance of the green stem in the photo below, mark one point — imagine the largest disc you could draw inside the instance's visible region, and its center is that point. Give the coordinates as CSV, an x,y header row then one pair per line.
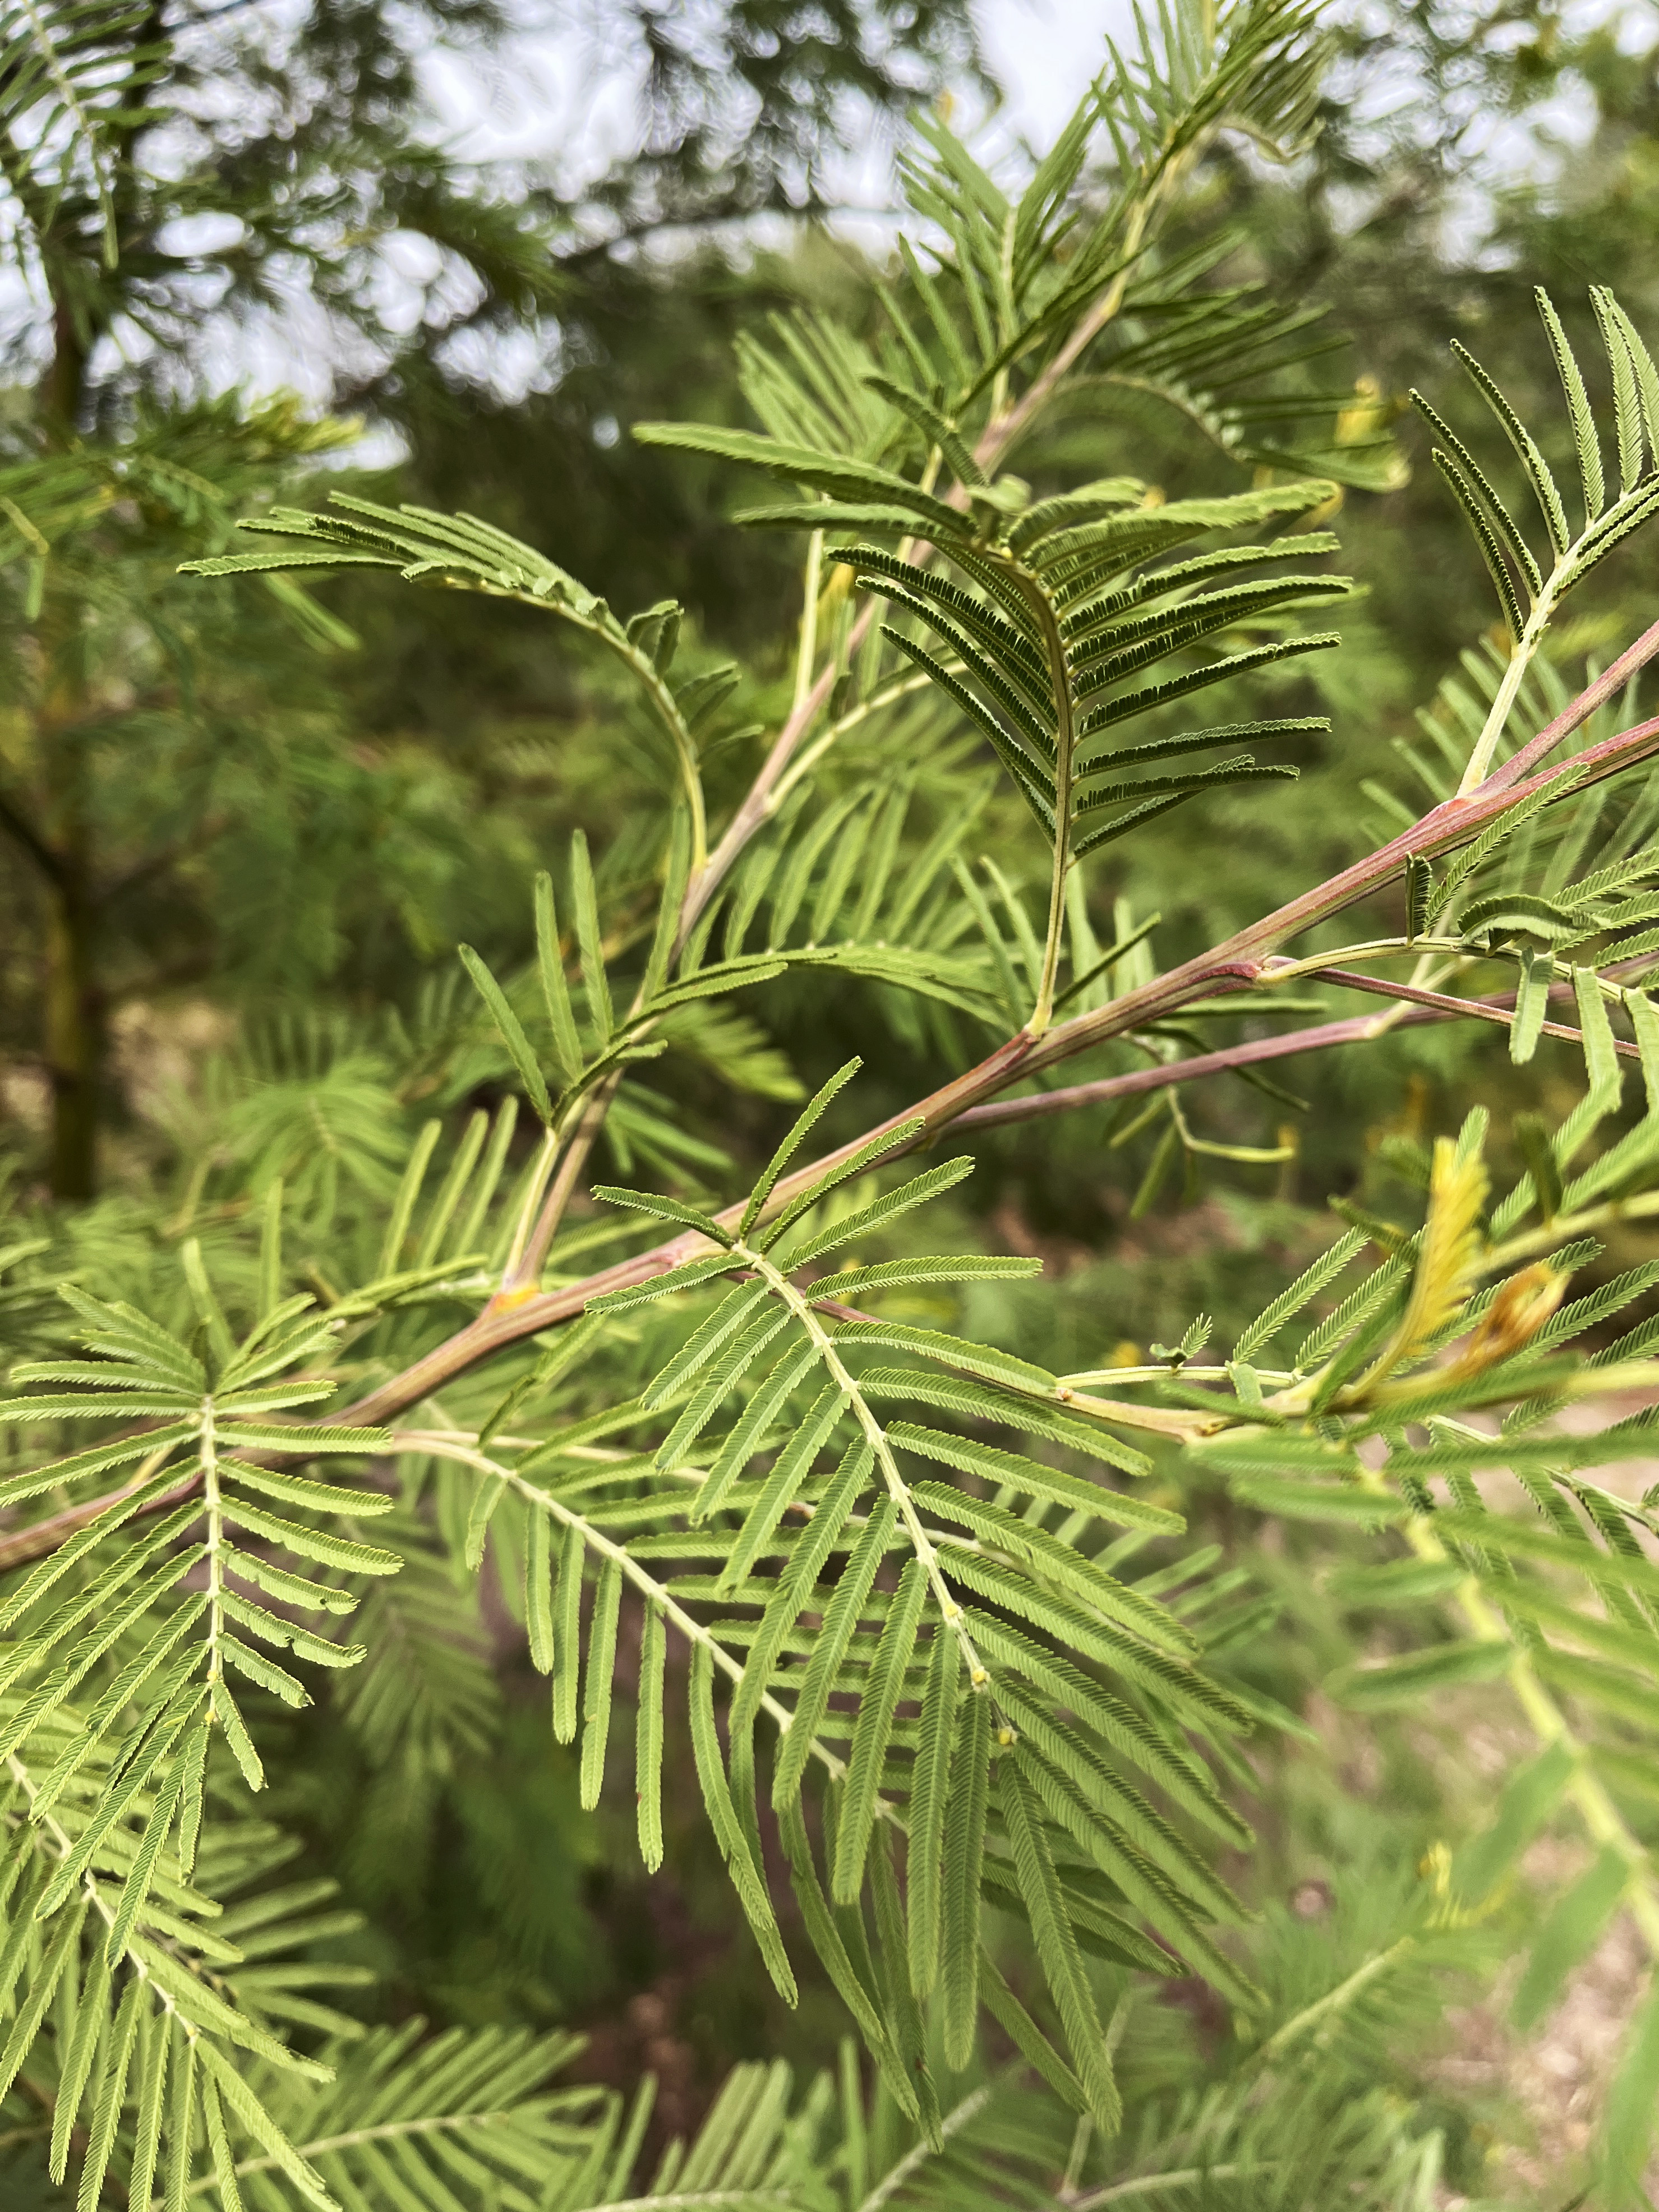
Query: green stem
x,y
1521,659
1065,744
809,622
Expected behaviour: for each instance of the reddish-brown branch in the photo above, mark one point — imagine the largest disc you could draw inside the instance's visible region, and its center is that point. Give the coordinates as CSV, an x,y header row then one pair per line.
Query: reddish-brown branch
x,y
1439,1002
1611,680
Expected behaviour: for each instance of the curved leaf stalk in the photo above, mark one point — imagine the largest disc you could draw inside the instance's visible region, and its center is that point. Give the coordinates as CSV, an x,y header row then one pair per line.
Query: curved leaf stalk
x,y
663,702
667,708
763,797
901,687
436,2126
1160,2185
1334,2001
875,1437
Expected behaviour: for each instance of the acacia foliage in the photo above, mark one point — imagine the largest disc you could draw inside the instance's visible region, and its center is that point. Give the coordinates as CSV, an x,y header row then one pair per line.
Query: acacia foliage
x,y
931,1680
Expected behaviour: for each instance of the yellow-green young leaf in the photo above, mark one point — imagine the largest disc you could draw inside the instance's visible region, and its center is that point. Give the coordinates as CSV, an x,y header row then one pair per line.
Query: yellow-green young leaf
x,y
567,1636
1059,1565
264,1671
1052,1485
808,1116
1028,2039
539,1590
1530,1796
954,1351
325,1548
930,1789
286,1635
157,1742
1568,1935
1403,1681
843,1168
823,1930
747,1879
193,1762
883,1687
648,1736
1057,1944
409,1190
1532,1001
116,1699
1034,1417
965,1818
511,1032
1628,2117
362,1505
313,1438
110,2098
35,1584
181,2129
735,1310
704,1401
1397,1583
600,1671
271,1250
226,1712
840,1619
901,2010
253,2117
136,1888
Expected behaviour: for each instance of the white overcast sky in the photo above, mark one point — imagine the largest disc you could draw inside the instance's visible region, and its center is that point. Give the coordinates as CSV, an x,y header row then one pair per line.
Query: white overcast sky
x,y
564,94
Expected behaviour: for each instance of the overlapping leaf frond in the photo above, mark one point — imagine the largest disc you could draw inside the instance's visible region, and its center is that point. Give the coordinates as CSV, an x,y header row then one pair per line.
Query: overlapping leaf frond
x,y
1430,1393
139,2026
465,554
1532,576
1040,620
1562,883
1064,608
147,1643
958,1623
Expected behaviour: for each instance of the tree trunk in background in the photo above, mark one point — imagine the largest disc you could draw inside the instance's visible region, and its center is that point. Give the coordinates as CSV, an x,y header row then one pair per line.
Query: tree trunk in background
x,y
72,1008
74,1031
